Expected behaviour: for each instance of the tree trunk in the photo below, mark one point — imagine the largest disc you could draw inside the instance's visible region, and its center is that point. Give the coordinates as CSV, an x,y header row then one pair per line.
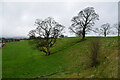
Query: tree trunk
x,y
48,52
104,34
119,30
48,48
83,34
118,33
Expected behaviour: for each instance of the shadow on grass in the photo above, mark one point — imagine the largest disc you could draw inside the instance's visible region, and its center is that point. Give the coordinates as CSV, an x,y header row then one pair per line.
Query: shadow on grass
x,y
68,47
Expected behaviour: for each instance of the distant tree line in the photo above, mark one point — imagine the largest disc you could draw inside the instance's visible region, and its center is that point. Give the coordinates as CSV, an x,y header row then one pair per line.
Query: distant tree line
x,y
5,40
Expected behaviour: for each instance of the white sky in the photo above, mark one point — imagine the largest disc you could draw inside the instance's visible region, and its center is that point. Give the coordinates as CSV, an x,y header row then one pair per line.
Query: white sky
x,y
18,17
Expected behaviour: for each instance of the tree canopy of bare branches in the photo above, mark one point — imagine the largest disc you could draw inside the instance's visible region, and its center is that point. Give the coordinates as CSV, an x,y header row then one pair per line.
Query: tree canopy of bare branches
x,y
105,29
46,34
84,21
117,28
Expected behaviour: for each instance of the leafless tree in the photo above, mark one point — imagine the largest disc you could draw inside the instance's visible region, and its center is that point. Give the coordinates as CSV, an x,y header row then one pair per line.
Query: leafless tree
x,y
46,34
61,36
117,28
105,29
79,33
84,21
31,34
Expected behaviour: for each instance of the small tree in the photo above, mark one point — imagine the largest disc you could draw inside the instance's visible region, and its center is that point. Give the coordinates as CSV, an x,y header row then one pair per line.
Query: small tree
x,y
46,34
105,29
84,21
79,33
61,36
31,34
117,28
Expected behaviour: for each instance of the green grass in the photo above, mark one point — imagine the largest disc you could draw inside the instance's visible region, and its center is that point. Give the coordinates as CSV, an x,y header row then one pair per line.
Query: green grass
x,y
68,55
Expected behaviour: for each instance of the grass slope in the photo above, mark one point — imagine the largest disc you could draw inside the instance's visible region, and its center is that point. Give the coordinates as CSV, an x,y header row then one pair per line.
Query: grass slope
x,y
68,55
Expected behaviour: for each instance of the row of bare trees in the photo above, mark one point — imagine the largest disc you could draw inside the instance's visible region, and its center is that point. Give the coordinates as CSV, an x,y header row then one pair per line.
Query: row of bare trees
x,y
83,22
47,31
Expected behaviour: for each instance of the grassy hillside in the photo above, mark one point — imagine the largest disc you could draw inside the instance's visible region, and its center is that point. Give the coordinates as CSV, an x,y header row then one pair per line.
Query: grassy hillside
x,y
69,58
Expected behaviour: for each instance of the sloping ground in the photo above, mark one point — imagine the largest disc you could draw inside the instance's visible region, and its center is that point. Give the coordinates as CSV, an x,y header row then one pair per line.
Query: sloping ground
x,y
80,63
21,61
69,59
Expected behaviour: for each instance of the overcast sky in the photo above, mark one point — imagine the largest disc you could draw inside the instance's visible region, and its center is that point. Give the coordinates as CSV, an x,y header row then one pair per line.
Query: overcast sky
x,y
18,17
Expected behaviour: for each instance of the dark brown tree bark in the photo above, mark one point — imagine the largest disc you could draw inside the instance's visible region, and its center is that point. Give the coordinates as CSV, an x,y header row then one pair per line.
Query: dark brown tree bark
x,y
48,52
83,34
104,34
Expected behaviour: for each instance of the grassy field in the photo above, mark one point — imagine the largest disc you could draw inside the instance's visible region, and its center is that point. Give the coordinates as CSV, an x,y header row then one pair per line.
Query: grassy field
x,y
69,59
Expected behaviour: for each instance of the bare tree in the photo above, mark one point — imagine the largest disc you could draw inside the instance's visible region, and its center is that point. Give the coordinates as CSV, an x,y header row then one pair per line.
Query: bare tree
x,y
31,34
46,34
105,29
84,21
61,36
117,27
79,33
